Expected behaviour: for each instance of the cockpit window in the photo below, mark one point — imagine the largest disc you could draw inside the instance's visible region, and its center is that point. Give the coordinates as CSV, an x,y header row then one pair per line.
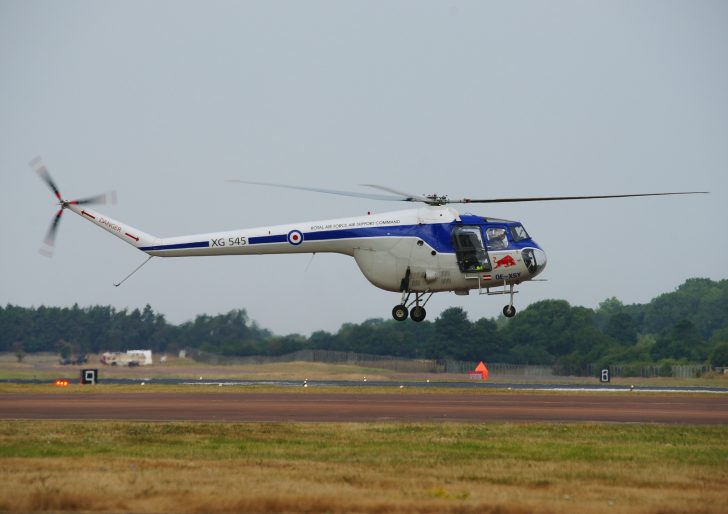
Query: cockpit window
x,y
497,239
518,233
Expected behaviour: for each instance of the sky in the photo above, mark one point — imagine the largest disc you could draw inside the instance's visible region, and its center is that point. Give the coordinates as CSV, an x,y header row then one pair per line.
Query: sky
x,y
165,101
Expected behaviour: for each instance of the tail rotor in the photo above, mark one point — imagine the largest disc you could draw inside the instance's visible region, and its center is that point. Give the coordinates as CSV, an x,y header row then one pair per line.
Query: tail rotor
x,y
50,238
42,171
45,176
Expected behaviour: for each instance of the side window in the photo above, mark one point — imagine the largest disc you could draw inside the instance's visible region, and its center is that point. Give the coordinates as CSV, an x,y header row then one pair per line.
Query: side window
x,y
497,239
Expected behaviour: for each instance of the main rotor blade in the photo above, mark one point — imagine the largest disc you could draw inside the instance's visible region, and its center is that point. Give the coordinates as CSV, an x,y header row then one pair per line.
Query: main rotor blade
x,y
42,171
406,197
369,196
50,238
104,198
551,198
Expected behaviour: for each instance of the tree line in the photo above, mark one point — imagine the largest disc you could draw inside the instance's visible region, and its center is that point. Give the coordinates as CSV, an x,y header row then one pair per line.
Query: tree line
x,y
688,325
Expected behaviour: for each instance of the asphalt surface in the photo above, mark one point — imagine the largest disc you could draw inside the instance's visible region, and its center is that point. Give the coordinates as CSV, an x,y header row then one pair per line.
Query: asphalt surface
x,y
311,406
471,384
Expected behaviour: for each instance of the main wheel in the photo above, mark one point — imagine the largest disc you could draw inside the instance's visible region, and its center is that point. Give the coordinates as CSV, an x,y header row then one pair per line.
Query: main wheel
x,y
509,311
399,312
418,313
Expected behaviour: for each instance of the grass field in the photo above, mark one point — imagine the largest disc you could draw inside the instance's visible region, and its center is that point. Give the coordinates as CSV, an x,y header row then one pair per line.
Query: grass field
x,y
56,466
368,467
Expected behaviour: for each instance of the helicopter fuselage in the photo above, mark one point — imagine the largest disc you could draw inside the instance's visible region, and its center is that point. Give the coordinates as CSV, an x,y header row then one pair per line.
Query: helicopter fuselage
x,y
417,252
430,249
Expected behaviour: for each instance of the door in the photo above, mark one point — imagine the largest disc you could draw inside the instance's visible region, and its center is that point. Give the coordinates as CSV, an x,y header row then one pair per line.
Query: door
x,y
469,250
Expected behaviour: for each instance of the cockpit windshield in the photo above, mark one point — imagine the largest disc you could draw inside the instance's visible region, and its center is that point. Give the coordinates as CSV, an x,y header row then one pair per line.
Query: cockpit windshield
x,y
518,233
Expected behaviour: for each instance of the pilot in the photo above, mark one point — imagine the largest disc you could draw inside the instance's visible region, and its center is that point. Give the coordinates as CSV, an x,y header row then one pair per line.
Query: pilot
x,y
470,261
497,239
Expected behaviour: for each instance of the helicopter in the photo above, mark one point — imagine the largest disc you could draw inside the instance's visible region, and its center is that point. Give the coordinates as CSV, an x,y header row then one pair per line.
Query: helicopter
x,y
415,252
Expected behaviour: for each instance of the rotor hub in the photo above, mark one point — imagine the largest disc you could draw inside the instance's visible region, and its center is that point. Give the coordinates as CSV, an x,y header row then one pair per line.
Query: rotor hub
x,y
435,199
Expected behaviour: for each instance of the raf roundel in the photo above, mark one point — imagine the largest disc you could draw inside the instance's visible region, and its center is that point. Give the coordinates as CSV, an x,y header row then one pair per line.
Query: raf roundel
x,y
295,237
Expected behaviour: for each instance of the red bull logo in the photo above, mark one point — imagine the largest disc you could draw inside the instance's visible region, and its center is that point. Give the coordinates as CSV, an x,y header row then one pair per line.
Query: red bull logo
x,y
506,262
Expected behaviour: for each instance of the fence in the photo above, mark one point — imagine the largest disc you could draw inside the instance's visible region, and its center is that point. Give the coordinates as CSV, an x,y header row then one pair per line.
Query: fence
x,y
649,371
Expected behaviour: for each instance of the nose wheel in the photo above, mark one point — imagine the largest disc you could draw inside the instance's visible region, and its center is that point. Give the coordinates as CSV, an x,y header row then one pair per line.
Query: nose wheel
x,y
509,310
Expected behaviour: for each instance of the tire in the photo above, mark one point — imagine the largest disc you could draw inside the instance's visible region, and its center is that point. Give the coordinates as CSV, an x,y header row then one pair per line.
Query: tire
x,y
399,312
418,313
509,311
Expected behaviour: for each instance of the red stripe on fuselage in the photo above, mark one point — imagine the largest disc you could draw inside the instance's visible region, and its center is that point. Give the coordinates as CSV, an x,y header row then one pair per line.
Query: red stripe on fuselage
x,y
89,215
135,238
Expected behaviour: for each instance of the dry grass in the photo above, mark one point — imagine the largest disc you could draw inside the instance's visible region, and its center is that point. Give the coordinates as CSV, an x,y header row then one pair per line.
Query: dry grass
x,y
264,467
45,366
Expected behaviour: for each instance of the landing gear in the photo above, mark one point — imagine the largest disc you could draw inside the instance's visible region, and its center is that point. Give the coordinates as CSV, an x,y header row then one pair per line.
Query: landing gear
x,y
509,311
399,312
418,312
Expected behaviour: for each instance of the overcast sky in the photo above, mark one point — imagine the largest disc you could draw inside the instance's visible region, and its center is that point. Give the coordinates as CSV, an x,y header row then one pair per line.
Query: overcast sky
x,y
163,101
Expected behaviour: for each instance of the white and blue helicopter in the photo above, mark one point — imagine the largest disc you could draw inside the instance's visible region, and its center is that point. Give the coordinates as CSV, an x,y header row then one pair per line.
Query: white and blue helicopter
x,y
415,252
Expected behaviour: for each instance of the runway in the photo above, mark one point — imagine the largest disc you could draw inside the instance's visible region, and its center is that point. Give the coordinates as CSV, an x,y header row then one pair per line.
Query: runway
x,y
309,406
421,384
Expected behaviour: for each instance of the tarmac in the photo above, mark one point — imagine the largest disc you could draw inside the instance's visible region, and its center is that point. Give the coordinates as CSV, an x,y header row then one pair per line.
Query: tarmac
x,y
399,406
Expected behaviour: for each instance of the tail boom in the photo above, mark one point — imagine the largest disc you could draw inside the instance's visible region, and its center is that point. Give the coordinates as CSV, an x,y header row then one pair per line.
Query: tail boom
x,y
126,233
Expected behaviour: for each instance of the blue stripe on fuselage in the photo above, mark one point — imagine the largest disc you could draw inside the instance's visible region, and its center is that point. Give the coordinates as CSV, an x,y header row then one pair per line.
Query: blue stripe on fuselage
x,y
438,236
200,244
261,240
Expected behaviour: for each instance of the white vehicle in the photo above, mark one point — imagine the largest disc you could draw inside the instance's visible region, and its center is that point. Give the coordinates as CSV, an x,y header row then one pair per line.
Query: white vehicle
x,y
130,358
